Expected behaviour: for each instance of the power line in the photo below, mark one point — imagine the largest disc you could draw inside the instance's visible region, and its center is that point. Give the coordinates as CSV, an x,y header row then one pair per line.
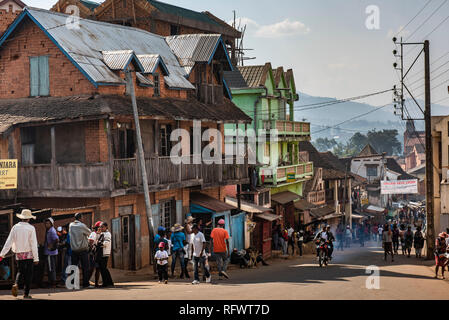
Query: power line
x,y
413,17
353,118
428,18
435,61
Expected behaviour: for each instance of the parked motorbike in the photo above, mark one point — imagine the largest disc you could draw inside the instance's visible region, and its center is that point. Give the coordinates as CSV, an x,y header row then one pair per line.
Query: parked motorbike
x,y
323,249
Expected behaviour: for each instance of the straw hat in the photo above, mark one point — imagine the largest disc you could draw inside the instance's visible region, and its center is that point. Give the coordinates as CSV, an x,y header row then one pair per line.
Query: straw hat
x,y
189,219
25,215
443,235
177,227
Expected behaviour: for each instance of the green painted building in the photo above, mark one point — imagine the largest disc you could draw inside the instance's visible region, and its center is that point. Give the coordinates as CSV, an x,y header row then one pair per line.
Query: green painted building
x,y
268,95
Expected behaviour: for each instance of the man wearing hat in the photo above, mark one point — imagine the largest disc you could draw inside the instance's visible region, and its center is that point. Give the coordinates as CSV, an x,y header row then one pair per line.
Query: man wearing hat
x,y
23,242
51,250
220,242
178,240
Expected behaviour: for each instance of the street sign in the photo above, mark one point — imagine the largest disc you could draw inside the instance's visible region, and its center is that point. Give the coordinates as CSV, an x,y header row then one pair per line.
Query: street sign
x,y
291,177
399,187
8,174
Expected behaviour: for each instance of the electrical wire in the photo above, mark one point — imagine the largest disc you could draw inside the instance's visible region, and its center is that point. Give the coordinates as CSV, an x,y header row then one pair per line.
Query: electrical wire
x,y
428,18
410,21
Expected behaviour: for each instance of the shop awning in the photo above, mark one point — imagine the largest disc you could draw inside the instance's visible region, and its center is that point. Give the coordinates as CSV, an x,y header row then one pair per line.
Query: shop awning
x,y
357,216
246,206
304,205
374,209
284,197
210,203
322,212
268,216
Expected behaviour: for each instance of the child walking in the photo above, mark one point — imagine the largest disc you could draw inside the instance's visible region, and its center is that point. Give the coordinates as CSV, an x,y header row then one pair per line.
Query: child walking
x,y
162,263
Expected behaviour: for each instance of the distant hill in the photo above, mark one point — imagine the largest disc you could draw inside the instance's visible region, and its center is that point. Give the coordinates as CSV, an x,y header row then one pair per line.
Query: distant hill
x,y
334,114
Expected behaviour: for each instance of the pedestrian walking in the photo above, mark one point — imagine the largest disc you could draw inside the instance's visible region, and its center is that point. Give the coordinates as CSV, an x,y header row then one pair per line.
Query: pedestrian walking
x,y
178,239
22,241
199,255
395,238
284,240
340,237
79,234
380,232
65,250
161,257
50,251
189,246
402,239
440,253
361,232
418,240
300,241
408,241
276,233
290,239
220,244
387,242
348,236
102,253
94,265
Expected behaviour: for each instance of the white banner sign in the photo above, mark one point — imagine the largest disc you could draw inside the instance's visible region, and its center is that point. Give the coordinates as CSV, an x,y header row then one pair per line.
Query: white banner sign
x,y
399,187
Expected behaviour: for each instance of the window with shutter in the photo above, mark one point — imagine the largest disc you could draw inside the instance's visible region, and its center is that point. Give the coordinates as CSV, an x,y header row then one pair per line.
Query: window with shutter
x,y
39,76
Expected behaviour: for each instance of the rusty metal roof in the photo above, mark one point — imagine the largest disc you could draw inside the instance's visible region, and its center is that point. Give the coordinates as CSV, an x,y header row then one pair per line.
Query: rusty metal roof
x,y
268,216
209,202
255,76
284,197
303,204
84,45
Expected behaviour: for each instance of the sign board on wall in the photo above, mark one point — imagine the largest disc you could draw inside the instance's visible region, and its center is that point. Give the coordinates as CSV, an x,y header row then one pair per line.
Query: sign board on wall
x,y
8,174
399,187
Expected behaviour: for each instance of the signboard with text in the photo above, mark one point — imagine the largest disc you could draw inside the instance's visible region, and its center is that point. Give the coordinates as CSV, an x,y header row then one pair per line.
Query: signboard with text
x,y
8,174
399,187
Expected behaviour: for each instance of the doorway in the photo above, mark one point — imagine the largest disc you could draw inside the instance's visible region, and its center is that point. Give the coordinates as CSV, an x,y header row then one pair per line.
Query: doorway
x,y
126,247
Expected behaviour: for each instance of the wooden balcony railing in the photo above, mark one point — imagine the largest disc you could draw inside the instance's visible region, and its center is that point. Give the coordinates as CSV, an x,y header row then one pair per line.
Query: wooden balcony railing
x,y
288,127
317,197
292,172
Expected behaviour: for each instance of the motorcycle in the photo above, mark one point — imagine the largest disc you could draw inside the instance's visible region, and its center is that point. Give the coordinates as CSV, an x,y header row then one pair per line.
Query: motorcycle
x,y
323,249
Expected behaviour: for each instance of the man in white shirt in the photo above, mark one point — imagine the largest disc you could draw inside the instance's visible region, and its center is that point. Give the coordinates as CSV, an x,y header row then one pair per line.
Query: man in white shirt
x,y
199,254
23,242
104,241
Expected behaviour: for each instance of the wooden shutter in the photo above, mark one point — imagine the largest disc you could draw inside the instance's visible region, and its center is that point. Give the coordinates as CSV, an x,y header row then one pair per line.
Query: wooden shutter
x,y
44,76
138,242
156,216
34,76
117,260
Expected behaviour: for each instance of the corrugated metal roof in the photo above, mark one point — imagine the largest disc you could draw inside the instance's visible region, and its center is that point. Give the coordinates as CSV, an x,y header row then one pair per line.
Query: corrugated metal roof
x,y
209,202
86,44
149,62
143,80
192,48
90,4
117,60
284,197
254,75
234,79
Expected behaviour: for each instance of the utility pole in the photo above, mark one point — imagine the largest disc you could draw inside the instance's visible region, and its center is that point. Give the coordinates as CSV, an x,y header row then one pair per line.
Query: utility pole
x,y
430,228
141,159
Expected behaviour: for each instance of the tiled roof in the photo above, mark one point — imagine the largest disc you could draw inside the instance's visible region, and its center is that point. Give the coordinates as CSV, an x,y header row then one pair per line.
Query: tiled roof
x,y
234,79
255,76
394,166
277,74
36,110
368,150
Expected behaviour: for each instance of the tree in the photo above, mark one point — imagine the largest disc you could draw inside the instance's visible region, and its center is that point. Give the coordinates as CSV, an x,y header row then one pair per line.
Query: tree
x,y
324,144
385,141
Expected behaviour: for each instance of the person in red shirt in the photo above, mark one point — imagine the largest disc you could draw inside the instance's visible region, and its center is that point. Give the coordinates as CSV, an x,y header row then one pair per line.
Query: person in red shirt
x,y
220,243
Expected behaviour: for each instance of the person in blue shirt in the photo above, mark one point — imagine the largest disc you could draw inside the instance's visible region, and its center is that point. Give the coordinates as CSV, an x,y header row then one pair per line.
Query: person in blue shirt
x,y
178,240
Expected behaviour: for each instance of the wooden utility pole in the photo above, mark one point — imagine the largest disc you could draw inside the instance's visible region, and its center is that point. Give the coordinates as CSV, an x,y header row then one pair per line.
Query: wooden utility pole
x,y
430,230
141,160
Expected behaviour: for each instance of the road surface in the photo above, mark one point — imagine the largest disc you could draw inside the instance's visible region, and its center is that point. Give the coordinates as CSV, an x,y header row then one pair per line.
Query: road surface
x,y
296,278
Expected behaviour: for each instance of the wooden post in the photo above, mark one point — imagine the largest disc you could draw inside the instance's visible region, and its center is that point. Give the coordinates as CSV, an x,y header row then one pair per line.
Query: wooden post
x,y
180,165
54,172
110,156
156,149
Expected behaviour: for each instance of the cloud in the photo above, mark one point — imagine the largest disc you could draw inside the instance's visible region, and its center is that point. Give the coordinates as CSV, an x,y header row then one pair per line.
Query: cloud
x,y
283,28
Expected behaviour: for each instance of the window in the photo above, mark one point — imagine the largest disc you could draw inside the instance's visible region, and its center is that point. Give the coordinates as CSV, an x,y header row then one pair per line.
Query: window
x,y
124,142
267,150
164,138
39,76
125,229
371,171
157,91
167,213
174,30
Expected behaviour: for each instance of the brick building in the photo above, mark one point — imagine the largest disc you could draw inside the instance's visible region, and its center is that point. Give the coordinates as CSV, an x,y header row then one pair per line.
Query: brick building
x,y
9,10
66,115
156,17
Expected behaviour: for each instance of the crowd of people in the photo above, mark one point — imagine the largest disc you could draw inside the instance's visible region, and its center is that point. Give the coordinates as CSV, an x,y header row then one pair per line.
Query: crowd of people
x,y
75,243
286,237
391,236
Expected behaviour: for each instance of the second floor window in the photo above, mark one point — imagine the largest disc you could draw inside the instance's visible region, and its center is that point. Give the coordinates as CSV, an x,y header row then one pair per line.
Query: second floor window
x,y
164,138
174,30
157,91
371,171
39,76
167,213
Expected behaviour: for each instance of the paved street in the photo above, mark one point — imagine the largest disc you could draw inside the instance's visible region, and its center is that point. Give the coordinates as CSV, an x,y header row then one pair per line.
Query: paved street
x,y
296,278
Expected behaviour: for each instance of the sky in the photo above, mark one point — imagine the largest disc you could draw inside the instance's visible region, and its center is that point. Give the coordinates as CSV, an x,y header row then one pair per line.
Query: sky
x,y
328,45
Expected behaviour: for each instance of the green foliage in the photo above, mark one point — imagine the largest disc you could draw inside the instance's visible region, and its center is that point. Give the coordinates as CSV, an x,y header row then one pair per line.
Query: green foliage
x,y
324,144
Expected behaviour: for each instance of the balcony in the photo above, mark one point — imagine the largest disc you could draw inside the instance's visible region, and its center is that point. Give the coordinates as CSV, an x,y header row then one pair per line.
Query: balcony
x,y
289,129
287,174
317,197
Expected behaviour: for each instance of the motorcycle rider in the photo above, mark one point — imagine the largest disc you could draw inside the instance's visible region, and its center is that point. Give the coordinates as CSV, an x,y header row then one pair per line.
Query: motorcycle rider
x,y
326,235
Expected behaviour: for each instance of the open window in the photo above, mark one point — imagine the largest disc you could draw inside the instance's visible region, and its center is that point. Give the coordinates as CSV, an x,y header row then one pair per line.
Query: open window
x,y
124,145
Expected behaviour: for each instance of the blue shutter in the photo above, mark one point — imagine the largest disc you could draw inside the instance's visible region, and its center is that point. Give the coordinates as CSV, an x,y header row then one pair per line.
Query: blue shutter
x,y
179,211
34,76
44,76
